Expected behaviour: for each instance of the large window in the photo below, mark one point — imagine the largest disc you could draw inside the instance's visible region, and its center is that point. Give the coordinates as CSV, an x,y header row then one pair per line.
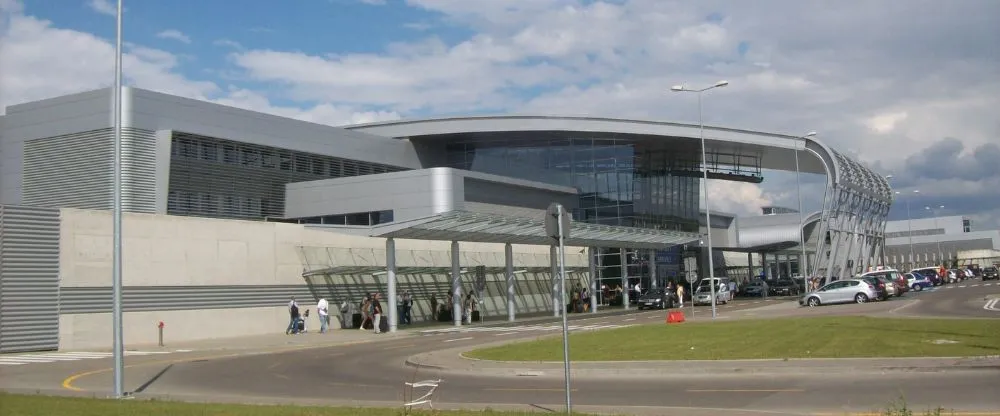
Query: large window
x,y
211,177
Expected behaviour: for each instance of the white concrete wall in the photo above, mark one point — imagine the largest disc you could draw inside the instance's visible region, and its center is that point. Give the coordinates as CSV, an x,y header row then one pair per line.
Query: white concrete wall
x,y
162,250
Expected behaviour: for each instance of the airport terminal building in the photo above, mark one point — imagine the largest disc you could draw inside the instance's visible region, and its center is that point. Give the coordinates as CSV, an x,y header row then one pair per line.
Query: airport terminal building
x,y
230,212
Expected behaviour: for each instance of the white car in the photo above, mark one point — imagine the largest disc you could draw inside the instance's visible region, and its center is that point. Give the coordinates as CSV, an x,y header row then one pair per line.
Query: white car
x,y
841,291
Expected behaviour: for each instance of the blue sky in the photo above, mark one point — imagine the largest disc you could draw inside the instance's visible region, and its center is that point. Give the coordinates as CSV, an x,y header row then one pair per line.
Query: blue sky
x,y
847,70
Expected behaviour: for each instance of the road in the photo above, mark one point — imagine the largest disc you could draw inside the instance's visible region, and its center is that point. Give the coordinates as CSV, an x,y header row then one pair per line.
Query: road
x,y
374,372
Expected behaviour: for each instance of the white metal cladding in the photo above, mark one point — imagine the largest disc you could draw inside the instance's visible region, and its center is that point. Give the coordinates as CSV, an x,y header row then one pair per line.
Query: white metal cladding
x,y
76,171
491,228
29,278
97,299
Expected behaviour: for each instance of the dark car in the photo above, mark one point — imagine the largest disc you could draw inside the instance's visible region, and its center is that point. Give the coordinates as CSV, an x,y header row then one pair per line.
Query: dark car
x,y
656,299
932,275
990,273
785,287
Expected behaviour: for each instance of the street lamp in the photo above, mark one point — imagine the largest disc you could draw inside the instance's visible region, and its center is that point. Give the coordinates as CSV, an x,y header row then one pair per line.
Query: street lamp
x,y
798,191
704,161
937,237
116,263
909,227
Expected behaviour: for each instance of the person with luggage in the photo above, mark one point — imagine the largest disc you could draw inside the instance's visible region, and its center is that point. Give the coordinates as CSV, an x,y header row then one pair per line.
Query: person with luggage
x,y
293,314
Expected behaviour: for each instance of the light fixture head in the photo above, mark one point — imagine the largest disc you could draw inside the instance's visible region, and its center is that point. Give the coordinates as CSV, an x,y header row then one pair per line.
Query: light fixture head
x,y
889,177
722,83
677,88
810,134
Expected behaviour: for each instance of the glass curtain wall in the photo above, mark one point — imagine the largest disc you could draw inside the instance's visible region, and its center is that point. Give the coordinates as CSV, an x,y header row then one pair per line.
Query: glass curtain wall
x,y
622,181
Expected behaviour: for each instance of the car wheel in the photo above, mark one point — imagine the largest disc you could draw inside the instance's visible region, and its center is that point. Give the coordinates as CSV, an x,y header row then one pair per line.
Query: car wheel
x,y
861,298
813,302
917,288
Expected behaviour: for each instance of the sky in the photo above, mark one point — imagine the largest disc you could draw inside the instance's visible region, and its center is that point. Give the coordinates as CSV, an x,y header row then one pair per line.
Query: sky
x,y
909,87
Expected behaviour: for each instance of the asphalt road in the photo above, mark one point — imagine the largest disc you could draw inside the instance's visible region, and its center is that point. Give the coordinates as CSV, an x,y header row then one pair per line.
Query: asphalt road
x,y
374,372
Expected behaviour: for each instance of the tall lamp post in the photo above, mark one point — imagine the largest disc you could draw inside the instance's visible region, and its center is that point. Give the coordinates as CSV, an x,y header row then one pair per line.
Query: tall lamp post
x,y
116,263
909,228
798,191
704,161
934,212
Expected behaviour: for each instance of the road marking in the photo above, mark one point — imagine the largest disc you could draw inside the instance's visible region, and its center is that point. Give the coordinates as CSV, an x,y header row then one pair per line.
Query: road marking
x,y
52,357
629,319
962,286
504,333
745,390
399,346
991,305
527,328
458,339
516,389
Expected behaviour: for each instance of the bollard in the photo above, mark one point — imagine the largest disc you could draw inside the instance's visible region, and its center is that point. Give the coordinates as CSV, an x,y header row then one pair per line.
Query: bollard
x,y
160,327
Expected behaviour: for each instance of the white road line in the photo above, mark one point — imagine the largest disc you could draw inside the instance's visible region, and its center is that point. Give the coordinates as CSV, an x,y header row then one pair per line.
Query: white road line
x,y
52,357
629,319
991,305
962,286
976,285
458,339
949,287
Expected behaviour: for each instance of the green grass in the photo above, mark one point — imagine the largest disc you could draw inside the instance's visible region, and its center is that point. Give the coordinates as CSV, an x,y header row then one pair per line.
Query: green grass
x,y
37,405
826,337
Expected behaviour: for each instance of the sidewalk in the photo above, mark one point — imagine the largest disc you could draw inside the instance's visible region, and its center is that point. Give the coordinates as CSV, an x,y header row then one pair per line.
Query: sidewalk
x,y
452,361
336,336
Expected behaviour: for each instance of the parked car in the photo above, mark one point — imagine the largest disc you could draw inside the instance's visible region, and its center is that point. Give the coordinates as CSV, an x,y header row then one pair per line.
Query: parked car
x,y
879,286
918,282
841,291
657,299
931,273
785,287
894,276
990,273
703,294
755,288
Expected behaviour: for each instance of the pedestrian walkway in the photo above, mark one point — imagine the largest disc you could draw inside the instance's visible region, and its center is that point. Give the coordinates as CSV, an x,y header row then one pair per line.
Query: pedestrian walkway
x,y
36,358
515,329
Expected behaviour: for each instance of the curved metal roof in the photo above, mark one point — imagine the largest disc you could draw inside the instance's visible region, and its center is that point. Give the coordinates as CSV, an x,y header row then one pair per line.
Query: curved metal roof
x,y
778,149
769,230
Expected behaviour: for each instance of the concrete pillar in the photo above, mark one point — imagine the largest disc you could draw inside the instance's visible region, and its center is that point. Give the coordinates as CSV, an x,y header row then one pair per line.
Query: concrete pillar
x,y
624,267
763,264
508,254
652,269
592,252
788,265
390,271
749,266
554,278
456,284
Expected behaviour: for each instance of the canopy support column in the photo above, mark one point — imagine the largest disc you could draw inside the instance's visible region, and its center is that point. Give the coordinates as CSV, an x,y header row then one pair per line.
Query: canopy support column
x,y
624,269
390,271
456,285
508,254
653,278
592,255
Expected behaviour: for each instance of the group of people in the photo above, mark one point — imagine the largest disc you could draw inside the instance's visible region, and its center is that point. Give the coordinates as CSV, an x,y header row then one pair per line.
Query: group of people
x,y
297,319
445,311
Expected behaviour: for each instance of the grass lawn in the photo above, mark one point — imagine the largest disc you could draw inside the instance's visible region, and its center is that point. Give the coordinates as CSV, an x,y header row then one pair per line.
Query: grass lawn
x,y
35,405
825,337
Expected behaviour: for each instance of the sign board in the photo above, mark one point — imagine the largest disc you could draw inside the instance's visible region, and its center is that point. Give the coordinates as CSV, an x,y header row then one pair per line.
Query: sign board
x,y
480,280
691,269
552,221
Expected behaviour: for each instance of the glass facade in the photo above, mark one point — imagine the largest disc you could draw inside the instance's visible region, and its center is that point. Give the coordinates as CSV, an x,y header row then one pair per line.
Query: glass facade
x,y
632,181
622,181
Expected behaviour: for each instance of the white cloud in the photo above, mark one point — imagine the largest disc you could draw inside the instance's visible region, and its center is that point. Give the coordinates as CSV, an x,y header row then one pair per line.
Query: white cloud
x,y
876,79
175,35
103,7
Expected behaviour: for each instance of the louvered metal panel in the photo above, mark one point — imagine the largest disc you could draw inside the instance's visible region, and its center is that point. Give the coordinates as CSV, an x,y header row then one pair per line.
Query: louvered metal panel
x,y
75,170
84,300
217,178
29,278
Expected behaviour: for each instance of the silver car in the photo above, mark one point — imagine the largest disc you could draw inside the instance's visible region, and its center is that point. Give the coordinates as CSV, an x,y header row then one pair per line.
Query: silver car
x,y
841,291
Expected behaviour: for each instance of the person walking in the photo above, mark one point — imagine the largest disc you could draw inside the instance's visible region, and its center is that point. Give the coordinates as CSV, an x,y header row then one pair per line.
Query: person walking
x,y
323,312
377,313
680,294
293,317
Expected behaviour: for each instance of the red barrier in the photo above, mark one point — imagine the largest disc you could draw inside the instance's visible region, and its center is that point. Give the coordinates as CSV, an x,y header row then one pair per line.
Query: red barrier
x,y
675,317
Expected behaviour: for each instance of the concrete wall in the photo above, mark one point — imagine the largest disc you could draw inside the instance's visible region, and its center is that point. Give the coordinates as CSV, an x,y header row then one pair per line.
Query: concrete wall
x,y
168,258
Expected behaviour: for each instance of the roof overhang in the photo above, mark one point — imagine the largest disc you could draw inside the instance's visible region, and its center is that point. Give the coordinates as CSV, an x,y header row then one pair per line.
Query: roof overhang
x,y
492,228
778,150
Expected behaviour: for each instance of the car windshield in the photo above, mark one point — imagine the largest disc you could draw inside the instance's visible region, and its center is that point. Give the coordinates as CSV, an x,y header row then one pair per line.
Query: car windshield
x,y
654,293
990,269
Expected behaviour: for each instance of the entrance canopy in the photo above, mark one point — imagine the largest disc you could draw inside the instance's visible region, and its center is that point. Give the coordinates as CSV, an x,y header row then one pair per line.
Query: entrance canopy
x,y
493,228
403,270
